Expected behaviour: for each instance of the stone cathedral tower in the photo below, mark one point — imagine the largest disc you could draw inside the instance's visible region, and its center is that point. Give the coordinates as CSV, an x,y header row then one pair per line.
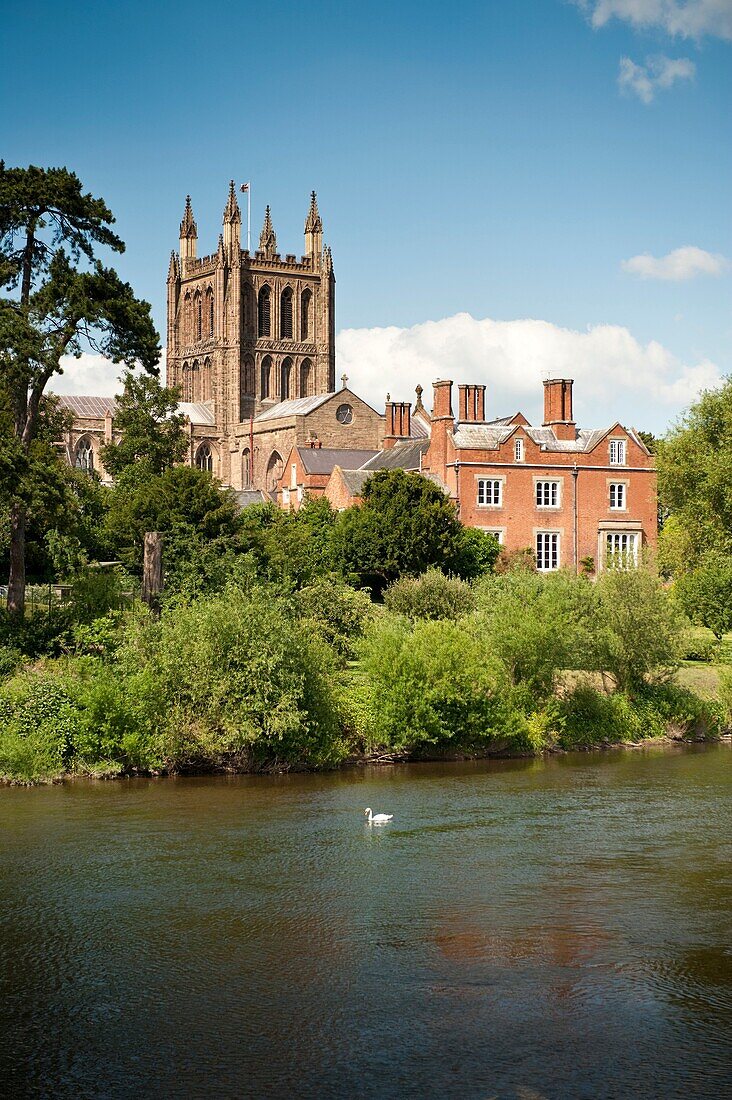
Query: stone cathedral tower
x,y
246,332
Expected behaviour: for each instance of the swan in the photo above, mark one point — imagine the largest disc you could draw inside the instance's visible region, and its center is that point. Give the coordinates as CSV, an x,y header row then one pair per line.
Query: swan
x,y
377,819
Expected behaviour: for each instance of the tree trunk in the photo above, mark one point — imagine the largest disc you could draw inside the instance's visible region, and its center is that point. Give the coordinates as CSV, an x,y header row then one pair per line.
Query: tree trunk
x,y
16,581
152,570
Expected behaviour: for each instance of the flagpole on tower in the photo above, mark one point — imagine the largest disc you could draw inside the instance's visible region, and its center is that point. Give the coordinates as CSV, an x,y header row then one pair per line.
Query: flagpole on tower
x,y
248,188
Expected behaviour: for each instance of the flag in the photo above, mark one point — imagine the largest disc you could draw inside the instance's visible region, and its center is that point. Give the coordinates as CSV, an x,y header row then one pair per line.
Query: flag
x,y
245,187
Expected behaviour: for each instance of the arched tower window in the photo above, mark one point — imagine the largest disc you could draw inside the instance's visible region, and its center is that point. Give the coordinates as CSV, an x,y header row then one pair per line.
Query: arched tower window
x,y
210,310
204,458
187,320
199,317
206,381
263,312
286,379
84,456
305,301
265,379
186,382
246,388
286,314
246,468
305,378
247,309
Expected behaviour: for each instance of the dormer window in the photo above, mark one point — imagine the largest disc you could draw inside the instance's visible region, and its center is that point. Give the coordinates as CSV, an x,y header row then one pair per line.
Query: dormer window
x,y
617,452
518,450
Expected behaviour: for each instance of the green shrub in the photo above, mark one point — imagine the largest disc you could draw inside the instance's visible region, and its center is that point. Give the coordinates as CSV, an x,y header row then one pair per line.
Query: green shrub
x,y
695,648
431,596
10,659
725,695
337,612
431,684
38,724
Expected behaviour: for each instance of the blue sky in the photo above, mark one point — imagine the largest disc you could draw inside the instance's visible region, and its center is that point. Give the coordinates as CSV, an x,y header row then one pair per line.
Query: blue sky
x,y
479,158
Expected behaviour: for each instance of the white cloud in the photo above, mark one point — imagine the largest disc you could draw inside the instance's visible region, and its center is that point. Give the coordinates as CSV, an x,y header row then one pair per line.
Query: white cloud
x,y
685,18
617,377
657,73
682,263
91,374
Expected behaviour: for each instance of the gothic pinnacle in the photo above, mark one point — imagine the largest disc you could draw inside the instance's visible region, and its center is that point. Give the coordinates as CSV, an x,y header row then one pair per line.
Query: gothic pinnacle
x,y
268,237
188,226
313,222
231,210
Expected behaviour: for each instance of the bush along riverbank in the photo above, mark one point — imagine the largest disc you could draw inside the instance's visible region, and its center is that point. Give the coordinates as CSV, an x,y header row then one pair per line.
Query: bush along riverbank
x,y
252,678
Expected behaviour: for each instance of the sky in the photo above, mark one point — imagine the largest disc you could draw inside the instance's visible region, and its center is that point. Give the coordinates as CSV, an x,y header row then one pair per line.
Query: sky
x,y
512,189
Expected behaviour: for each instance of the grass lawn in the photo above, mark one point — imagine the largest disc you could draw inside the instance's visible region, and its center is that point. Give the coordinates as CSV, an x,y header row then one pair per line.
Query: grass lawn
x,y
703,676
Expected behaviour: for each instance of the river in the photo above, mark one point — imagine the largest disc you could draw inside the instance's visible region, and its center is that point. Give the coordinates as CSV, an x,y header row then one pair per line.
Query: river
x,y
529,929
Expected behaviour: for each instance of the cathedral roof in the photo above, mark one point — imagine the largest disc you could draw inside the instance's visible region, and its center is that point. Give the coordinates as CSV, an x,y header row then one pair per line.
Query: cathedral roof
x,y
197,412
87,408
404,455
298,406
322,460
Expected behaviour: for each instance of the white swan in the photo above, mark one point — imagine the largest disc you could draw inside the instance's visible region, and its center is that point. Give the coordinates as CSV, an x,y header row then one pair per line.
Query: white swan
x,y
377,819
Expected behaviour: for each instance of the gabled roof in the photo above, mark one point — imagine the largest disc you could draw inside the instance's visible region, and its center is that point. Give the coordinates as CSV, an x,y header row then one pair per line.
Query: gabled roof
x,y
298,406
321,460
406,454
354,480
245,497
87,408
490,436
197,412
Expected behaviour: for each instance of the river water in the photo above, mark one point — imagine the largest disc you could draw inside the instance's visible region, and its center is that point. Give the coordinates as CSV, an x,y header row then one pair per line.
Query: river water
x,y
522,929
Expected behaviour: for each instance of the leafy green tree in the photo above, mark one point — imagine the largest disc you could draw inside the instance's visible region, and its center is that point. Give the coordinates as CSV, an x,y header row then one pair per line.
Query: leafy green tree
x,y
640,629
705,594
477,553
298,546
539,625
695,482
152,429
61,298
404,525
195,516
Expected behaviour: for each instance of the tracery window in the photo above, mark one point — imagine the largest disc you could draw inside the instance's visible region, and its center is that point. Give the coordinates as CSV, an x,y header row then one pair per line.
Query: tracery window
x,y
210,310
204,458
199,317
264,311
246,468
286,314
85,456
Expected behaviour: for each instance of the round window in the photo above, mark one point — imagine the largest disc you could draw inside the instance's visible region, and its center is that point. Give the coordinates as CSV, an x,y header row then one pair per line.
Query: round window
x,y
344,414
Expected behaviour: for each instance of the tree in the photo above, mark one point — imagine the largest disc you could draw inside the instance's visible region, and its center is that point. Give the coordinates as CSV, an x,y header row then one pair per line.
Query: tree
x,y
405,525
62,299
695,482
705,594
151,428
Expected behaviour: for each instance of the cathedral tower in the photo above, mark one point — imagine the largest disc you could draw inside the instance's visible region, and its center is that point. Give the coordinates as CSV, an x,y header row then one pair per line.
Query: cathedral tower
x,y
248,331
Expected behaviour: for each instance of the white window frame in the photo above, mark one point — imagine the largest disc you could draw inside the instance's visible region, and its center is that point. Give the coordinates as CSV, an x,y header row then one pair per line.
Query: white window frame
x,y
498,532
550,551
293,476
285,496
555,491
617,452
618,490
496,484
621,549
518,449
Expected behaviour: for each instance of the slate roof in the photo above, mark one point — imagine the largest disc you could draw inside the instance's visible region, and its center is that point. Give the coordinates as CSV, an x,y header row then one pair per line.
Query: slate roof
x,y
354,480
197,412
245,497
491,435
87,408
321,460
298,406
404,455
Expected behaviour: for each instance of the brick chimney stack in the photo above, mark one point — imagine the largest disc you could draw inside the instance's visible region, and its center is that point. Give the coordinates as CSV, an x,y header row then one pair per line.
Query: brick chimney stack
x,y
442,424
398,422
471,404
558,407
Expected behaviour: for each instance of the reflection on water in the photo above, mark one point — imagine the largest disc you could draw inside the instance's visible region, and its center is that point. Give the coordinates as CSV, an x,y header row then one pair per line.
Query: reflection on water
x,y
522,929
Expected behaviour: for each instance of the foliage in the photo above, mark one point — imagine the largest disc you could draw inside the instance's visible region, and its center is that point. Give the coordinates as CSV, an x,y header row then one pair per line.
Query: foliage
x,y
336,612
431,596
94,592
705,593
695,481
38,722
152,431
725,695
62,299
477,553
640,632
404,525
538,625
194,515
298,545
